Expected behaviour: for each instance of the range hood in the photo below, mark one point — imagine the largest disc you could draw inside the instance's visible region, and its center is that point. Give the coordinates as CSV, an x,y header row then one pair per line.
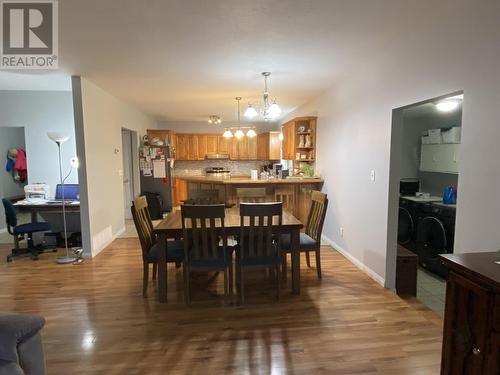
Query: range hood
x,y
216,156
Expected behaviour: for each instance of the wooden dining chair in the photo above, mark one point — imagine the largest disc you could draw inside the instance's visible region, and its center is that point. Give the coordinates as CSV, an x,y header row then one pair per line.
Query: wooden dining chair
x,y
149,245
205,243
251,195
258,244
285,196
311,239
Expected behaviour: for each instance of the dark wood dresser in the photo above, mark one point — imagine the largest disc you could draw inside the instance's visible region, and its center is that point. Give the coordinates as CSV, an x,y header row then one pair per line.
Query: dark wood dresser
x,y
471,338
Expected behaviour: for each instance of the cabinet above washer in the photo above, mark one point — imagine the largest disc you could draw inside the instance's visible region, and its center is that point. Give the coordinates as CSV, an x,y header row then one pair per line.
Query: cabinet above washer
x,y
441,158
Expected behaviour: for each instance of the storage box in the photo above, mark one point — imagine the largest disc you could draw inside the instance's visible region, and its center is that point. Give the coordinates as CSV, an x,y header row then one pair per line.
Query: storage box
x,y
452,134
434,136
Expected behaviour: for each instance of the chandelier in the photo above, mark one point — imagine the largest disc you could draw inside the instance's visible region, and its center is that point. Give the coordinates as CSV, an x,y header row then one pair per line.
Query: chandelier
x,y
270,111
239,131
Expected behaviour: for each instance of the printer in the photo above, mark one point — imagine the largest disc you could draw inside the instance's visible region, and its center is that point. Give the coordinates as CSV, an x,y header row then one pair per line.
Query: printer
x,y
37,191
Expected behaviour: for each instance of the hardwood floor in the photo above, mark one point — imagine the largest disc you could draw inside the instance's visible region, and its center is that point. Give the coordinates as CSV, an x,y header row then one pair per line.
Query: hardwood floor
x,y
98,322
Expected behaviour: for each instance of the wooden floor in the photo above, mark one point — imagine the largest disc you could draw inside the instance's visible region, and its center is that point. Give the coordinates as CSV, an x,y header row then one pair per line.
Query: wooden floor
x,y
98,322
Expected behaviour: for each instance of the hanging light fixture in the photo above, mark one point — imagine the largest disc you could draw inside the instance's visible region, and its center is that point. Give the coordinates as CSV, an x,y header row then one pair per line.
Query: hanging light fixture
x,y
251,133
239,134
250,112
214,119
227,133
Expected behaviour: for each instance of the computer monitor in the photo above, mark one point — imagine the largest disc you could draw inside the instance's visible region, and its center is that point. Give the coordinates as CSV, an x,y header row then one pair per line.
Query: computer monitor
x,y
71,192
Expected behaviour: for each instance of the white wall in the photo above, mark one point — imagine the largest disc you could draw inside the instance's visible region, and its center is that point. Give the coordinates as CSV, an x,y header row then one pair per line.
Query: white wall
x,y
10,137
459,50
40,112
99,123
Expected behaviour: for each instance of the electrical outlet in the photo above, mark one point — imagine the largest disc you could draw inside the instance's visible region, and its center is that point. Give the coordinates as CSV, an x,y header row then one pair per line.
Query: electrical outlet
x,y
372,175
341,231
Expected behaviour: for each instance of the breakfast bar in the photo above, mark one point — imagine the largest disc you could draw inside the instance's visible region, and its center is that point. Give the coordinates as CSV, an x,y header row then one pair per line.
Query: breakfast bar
x,y
297,190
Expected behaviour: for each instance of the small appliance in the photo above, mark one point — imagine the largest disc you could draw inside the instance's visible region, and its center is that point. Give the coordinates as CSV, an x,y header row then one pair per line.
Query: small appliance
x,y
218,172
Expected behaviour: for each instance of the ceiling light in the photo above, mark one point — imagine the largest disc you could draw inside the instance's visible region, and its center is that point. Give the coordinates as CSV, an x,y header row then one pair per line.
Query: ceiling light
x,y
251,133
447,105
274,110
239,134
214,119
227,134
250,112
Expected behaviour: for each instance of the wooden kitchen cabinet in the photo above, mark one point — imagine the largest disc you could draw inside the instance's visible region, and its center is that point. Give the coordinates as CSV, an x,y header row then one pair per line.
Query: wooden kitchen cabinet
x,y
181,147
288,144
179,191
471,338
212,144
268,146
192,152
292,134
224,144
202,146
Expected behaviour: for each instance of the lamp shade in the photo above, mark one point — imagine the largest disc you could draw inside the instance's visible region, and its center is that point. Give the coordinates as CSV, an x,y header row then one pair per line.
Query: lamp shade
x,y
250,112
251,133
227,134
274,110
58,137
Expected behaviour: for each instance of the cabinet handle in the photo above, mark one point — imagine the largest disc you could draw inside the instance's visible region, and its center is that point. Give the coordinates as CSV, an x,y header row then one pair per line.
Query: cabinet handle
x,y
476,351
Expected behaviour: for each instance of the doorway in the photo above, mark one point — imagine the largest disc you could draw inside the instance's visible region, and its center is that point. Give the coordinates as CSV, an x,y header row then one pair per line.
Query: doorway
x,y
424,174
128,155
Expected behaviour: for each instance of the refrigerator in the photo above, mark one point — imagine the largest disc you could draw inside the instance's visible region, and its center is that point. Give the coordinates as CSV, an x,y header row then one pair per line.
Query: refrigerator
x,y
155,164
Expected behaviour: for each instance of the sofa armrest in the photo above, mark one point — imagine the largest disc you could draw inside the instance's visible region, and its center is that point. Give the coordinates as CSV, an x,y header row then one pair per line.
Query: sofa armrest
x,y
16,328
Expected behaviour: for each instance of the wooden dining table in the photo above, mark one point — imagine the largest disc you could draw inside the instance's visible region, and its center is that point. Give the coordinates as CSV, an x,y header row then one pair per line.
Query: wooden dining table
x,y
171,227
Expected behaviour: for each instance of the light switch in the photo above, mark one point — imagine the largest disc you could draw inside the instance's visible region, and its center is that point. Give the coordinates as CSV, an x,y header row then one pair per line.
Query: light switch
x,y
372,175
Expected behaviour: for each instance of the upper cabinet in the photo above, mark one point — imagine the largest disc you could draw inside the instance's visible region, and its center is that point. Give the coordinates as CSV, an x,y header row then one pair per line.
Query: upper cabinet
x,y
299,139
441,158
197,146
269,146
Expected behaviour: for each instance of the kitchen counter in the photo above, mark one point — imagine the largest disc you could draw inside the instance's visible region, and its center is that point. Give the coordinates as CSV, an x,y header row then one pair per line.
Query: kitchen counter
x,y
248,180
299,189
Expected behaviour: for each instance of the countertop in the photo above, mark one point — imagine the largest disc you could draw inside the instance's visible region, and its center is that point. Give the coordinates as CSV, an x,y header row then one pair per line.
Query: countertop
x,y
481,265
248,180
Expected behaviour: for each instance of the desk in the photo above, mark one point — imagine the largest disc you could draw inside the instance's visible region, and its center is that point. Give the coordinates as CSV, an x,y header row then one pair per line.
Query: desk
x,y
171,227
34,209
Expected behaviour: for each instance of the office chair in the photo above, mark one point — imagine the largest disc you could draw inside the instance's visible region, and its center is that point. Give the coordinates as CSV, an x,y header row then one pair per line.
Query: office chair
x,y
20,231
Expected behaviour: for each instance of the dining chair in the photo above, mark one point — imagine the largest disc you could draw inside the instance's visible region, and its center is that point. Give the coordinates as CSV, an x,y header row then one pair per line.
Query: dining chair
x,y
205,243
310,240
285,196
202,196
259,241
251,195
149,245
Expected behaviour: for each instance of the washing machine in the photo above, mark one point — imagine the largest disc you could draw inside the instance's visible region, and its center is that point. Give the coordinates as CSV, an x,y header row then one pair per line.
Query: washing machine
x,y
435,235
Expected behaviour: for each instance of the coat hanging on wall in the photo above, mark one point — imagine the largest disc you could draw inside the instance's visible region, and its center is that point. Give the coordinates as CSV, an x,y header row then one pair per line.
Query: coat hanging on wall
x,y
17,164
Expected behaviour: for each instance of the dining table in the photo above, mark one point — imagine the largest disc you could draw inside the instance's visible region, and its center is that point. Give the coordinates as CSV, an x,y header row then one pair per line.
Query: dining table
x,y
171,227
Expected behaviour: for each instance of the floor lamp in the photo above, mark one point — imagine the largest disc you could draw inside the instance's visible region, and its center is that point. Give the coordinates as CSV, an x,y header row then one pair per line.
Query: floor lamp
x,y
59,139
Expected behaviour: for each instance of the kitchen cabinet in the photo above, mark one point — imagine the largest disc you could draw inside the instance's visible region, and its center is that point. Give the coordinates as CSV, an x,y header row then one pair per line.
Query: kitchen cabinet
x,y
179,191
268,146
202,146
441,158
212,144
224,144
181,147
288,144
471,337
192,152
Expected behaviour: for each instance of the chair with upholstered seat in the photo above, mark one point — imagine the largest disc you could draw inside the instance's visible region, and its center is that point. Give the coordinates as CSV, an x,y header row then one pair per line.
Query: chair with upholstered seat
x,y
258,242
149,244
22,231
205,243
311,239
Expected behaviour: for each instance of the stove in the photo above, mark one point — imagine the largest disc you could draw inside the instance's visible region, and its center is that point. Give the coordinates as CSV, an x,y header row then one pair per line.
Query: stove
x,y
217,172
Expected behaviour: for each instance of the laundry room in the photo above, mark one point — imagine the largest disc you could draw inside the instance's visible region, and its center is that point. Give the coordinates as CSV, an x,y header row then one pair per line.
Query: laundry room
x,y
429,147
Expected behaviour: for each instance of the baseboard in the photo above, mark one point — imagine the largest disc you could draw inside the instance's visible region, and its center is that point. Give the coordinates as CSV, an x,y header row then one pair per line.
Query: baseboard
x,y
104,241
363,267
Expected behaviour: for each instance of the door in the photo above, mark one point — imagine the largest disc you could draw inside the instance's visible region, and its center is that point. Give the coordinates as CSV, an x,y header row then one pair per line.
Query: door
x,y
127,172
212,144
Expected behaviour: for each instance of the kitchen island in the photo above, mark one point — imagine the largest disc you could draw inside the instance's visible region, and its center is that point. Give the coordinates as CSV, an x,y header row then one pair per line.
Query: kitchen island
x,y
299,189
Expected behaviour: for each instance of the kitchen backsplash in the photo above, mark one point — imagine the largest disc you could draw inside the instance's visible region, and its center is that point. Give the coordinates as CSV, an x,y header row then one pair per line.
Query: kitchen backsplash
x,y
237,168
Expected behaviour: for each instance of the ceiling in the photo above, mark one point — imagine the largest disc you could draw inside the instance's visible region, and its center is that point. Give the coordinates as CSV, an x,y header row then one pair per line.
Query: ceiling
x,y
185,60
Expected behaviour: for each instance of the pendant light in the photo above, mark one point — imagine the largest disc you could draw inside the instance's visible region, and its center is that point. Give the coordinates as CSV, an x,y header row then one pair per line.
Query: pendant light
x,y
251,133
227,134
250,112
